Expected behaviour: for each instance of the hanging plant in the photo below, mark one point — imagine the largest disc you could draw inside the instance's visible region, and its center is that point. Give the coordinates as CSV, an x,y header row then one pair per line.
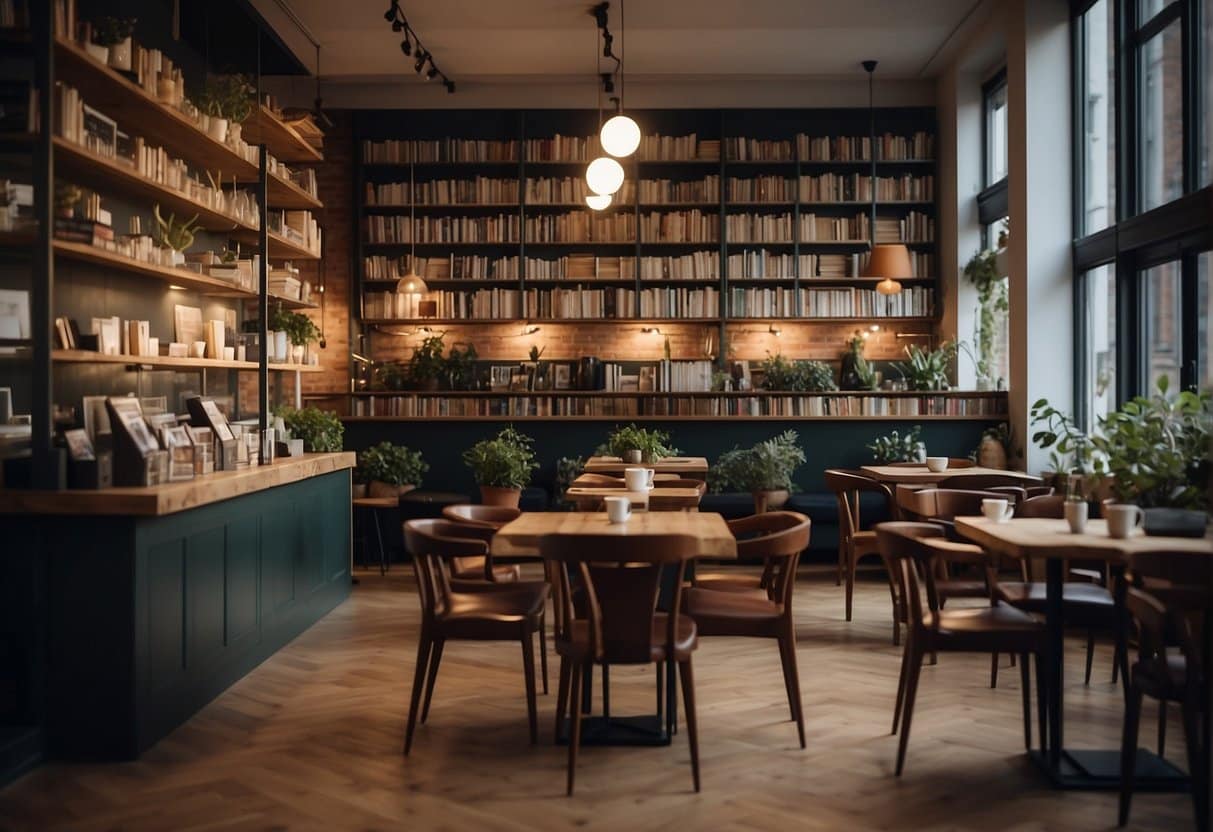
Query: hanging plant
x,y
993,304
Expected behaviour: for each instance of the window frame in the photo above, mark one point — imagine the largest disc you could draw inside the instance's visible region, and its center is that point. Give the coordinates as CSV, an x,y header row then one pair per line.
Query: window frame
x,y
993,202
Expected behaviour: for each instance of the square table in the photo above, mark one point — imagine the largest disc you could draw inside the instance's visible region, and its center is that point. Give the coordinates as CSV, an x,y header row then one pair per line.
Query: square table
x,y
691,467
921,475
587,498
1052,540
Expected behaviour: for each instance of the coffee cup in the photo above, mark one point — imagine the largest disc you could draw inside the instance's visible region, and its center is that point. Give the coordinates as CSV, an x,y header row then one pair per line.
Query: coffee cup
x,y
1123,519
198,349
638,479
996,510
936,464
1076,515
618,509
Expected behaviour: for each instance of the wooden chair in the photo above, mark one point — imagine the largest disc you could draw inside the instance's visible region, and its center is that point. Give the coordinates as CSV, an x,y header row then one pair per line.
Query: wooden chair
x,y
780,537
503,612
914,548
620,580
942,506
491,517
854,542
1170,602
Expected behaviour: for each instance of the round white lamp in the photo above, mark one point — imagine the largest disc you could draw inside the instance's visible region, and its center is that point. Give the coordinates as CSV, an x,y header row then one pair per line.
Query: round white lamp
x,y
604,175
598,202
620,136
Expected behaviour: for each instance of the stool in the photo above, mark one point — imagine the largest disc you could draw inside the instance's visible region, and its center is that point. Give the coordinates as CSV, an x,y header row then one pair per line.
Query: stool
x,y
372,506
420,505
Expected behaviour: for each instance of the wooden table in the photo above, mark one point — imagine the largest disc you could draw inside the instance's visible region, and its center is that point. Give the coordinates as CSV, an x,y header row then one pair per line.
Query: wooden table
x,y
589,498
691,467
372,506
1052,540
591,482
920,475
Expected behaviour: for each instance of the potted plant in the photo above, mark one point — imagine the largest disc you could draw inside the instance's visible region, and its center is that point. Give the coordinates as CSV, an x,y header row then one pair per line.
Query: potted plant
x,y
1155,451
927,369
984,272
226,101
535,368
1068,446
778,373
391,375
765,470
461,367
391,470
320,430
636,445
427,365
298,328
174,236
113,34
502,466
568,468
895,447
995,447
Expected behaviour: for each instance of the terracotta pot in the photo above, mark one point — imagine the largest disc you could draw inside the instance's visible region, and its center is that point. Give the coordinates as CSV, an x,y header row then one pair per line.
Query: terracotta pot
x,y
491,495
765,501
120,55
386,489
991,454
358,490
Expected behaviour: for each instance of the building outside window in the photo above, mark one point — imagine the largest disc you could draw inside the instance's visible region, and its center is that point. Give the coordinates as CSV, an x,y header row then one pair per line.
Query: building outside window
x,y
1099,114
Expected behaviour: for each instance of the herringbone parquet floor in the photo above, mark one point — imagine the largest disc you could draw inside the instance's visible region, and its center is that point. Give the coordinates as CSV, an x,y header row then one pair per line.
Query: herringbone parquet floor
x,y
311,740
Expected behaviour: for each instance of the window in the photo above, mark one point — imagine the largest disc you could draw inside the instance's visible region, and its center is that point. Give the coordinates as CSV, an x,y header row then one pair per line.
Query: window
x,y
1164,337
1205,79
1098,117
995,106
1160,172
1100,371
1204,311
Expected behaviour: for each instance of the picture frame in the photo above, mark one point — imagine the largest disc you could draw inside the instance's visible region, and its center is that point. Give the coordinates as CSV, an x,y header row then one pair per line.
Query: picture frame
x,y
518,380
562,377
14,313
79,445
500,376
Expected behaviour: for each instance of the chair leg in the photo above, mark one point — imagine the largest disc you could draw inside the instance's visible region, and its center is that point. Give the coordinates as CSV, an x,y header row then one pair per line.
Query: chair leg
x,y
1090,656
903,741
1197,773
850,583
901,685
1042,703
562,698
791,679
423,659
543,651
528,667
587,690
888,570
994,671
1162,727
1128,753
1025,682
576,675
787,681
688,701
435,660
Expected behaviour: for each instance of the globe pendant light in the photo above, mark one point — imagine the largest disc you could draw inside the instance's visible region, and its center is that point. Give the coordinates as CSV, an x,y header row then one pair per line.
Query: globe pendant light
x,y
599,202
604,175
620,136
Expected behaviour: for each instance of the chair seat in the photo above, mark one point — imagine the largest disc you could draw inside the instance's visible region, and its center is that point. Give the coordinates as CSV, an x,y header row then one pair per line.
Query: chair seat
x,y
1033,595
960,588
864,542
733,613
495,614
472,569
577,645
983,629
730,582
482,586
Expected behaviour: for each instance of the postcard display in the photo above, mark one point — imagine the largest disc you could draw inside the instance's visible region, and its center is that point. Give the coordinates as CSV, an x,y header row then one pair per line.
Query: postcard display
x,y
138,458
204,413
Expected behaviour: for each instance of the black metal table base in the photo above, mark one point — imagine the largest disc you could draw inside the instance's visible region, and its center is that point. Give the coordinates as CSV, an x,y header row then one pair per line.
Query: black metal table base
x,y
1100,770
648,730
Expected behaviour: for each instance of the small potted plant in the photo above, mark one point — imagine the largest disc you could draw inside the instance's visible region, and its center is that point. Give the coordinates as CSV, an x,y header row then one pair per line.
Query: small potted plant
x,y
391,470
427,366
927,369
461,367
502,466
800,376
226,101
298,328
765,470
898,447
636,445
319,430
113,35
1068,446
173,235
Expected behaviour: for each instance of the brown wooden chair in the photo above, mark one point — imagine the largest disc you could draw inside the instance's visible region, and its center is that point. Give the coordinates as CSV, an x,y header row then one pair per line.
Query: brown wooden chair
x,y
780,537
855,542
1169,600
620,580
491,517
915,548
942,506
732,579
504,612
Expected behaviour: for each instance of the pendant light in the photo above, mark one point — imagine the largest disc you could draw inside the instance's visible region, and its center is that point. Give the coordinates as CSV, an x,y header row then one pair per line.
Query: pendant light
x,y
887,260
599,202
412,283
604,176
620,135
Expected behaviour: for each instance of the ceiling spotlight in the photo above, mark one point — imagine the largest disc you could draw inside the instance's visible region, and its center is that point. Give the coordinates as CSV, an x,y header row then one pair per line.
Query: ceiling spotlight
x,y
390,14
397,25
599,202
450,86
433,73
420,62
604,175
405,46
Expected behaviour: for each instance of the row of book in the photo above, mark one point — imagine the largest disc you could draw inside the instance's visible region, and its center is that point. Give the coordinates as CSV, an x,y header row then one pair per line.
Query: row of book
x,y
759,150
657,191
852,405
915,226
782,302
562,149
482,189
505,304
852,187
680,227
679,302
889,147
501,228
581,227
297,227
403,151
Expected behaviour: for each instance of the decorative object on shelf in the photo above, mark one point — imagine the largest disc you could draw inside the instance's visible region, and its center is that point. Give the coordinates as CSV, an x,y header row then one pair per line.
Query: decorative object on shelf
x,y
1155,452
66,198
299,329
175,235
427,366
320,430
996,447
896,447
653,445
391,470
536,369
226,100
114,33
856,373
409,43
765,470
778,373
993,303
891,262
927,369
502,466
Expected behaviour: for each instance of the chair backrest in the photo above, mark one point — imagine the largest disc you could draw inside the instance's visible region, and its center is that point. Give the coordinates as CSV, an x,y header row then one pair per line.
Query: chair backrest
x,y
847,486
900,544
779,538
981,482
432,542
477,515
1170,600
1051,506
621,580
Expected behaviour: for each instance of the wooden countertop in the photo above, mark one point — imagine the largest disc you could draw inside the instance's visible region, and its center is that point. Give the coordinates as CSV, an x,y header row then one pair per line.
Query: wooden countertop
x,y
173,497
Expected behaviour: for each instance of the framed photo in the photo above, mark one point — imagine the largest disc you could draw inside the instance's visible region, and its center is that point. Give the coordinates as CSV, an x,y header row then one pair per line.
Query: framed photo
x,y
499,376
96,417
518,382
79,446
14,313
6,405
562,375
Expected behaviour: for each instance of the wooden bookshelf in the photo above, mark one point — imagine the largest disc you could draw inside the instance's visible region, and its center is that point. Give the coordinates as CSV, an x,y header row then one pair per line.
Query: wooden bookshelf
x,y
281,138
163,362
283,193
185,278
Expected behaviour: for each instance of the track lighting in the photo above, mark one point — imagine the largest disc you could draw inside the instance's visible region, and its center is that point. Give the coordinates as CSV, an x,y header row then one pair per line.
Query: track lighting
x,y
393,11
405,46
432,74
420,62
397,26
411,44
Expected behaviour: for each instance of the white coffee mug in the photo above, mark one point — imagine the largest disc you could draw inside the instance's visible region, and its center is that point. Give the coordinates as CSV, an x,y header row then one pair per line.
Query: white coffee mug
x,y
1123,519
618,509
998,511
937,463
1076,515
198,349
638,479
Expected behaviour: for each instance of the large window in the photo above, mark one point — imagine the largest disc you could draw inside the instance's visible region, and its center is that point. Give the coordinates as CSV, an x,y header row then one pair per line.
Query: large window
x,y
995,106
1099,286
1160,172
1097,44
1164,336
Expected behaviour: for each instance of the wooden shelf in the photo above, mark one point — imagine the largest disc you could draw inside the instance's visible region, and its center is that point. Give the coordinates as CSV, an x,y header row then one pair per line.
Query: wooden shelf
x,y
180,277
283,193
263,127
697,394
163,362
416,322
138,112
283,249
669,418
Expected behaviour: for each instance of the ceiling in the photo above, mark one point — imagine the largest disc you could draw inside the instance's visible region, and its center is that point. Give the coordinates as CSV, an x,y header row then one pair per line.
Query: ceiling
x,y
663,39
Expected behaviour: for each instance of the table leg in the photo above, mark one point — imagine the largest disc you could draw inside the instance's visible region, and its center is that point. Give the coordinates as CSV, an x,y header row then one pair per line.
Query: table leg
x,y
1055,640
379,537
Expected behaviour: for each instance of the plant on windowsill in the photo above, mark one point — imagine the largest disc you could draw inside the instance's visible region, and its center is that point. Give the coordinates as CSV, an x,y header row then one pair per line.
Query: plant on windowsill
x,y
502,466
984,273
635,445
320,430
895,447
391,470
764,470
1068,445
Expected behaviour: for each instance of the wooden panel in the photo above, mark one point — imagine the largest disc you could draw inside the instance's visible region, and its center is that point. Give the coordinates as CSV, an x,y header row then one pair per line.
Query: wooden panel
x,y
205,596
279,543
309,562
281,138
241,579
165,605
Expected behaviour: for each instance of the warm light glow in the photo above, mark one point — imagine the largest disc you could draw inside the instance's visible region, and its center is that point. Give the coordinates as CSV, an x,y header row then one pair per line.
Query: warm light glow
x,y
604,175
888,286
598,202
412,284
776,331
889,261
177,288
620,136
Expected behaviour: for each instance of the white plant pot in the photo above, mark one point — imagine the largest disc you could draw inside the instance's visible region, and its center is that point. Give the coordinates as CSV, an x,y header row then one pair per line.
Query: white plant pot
x,y
216,128
120,56
297,351
177,258
295,446
233,132
98,52
281,347
166,91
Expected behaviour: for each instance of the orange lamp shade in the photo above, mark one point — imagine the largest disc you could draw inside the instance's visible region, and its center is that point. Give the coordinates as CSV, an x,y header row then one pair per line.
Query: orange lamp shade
x,y
889,261
412,284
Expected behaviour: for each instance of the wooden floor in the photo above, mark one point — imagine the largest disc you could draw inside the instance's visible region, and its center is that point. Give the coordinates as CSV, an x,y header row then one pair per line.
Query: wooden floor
x,y
311,740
